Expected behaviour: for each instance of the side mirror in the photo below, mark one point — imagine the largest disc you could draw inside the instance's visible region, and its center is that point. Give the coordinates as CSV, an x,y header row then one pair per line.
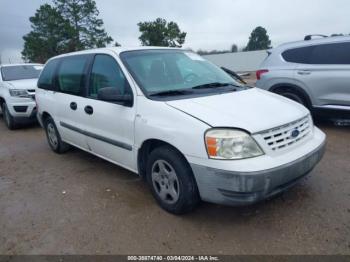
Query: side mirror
x,y
111,94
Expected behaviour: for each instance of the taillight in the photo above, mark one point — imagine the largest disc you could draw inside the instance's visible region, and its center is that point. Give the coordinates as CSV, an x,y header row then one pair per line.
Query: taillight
x,y
259,73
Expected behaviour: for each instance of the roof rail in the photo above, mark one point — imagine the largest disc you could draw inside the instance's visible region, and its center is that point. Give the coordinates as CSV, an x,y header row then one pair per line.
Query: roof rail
x,y
309,37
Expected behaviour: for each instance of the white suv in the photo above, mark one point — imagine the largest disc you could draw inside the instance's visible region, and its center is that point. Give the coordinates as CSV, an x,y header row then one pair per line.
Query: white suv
x,y
180,122
315,73
17,93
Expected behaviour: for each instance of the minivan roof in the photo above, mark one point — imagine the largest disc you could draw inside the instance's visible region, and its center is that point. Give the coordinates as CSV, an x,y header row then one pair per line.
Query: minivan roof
x,y
20,64
323,40
118,50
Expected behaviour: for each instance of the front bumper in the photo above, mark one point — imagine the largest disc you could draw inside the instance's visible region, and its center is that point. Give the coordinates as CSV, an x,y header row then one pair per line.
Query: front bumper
x,y
23,110
244,188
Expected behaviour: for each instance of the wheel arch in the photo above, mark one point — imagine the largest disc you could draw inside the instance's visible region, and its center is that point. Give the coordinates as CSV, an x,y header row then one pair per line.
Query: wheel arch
x,y
146,148
2,100
293,88
45,115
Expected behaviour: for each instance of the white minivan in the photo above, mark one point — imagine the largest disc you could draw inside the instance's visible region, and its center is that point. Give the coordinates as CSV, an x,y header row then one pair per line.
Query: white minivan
x,y
177,120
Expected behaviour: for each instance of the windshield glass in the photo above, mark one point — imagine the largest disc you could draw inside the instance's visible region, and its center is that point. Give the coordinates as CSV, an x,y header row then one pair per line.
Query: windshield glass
x,y
11,73
169,70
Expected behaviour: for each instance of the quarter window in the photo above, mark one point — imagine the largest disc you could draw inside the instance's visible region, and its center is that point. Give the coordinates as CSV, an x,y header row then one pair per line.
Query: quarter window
x,y
71,74
298,55
46,80
107,73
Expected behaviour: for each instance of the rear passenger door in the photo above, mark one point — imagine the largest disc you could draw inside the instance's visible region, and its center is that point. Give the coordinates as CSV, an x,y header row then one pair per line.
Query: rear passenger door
x,y
69,98
326,72
110,126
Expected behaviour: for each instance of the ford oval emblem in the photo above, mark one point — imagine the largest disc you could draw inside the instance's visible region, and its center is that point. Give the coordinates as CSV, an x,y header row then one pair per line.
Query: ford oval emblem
x,y
295,133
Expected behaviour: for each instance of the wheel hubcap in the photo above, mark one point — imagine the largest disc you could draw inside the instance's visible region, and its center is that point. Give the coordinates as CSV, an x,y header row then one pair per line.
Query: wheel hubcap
x,y
165,181
51,133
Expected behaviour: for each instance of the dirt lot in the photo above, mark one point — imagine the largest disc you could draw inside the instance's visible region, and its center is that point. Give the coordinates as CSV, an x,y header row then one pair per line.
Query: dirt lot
x,y
78,204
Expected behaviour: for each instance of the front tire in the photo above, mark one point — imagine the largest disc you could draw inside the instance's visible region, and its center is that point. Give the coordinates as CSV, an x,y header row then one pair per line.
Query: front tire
x,y
54,138
9,120
171,181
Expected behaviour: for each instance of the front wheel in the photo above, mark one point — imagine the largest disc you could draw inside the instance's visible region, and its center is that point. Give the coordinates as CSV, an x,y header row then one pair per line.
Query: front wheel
x,y
9,121
54,138
171,181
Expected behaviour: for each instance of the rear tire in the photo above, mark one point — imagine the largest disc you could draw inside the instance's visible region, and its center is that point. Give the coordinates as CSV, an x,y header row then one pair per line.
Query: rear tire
x,y
295,96
54,138
9,120
171,181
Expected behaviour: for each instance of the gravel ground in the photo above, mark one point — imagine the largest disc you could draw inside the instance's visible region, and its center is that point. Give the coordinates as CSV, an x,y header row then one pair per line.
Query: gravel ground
x,y
78,204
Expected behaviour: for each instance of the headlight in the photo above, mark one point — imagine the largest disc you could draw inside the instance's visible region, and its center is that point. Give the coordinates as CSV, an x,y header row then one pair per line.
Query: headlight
x,y
19,93
231,144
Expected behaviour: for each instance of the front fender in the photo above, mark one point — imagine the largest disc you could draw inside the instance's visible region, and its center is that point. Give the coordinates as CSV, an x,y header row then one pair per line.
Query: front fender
x,y
157,120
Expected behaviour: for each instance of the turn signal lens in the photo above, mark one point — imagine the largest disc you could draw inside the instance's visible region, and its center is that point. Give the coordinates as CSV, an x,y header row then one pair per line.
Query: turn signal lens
x,y
211,145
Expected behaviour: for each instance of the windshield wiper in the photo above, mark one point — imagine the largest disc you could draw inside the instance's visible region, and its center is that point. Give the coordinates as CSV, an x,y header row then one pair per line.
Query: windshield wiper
x,y
214,85
170,93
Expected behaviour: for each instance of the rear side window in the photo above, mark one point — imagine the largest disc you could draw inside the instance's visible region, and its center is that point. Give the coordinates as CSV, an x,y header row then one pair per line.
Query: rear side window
x,y
71,74
331,54
46,80
326,54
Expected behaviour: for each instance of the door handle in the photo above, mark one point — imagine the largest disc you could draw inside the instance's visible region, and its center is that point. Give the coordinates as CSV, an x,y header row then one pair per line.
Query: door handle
x,y
304,72
73,106
89,110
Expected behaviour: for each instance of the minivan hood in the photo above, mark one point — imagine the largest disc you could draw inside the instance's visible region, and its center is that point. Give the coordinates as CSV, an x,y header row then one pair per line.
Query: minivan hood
x,y
23,84
253,110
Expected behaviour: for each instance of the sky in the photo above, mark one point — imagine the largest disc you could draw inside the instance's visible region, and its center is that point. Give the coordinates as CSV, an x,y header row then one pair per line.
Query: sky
x,y
210,24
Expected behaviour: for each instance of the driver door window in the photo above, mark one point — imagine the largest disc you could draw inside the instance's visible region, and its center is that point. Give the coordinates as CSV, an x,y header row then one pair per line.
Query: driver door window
x,y
107,73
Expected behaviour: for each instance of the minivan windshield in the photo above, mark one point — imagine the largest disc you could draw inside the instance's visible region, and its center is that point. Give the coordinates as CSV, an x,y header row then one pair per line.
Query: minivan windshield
x,y
175,72
20,72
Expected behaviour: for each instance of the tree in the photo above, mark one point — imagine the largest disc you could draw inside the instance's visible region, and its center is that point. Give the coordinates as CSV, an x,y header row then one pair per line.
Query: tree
x,y
49,35
87,28
117,44
234,48
258,40
67,26
161,33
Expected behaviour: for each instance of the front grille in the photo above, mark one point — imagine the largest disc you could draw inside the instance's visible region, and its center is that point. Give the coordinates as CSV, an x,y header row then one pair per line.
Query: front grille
x,y
20,109
287,135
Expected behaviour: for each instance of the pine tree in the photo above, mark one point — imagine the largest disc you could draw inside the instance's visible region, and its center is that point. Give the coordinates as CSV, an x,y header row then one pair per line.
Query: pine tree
x,y
67,26
161,33
258,40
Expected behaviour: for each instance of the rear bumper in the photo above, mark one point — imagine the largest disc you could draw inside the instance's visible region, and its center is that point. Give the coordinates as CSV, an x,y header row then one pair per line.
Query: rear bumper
x,y
244,188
